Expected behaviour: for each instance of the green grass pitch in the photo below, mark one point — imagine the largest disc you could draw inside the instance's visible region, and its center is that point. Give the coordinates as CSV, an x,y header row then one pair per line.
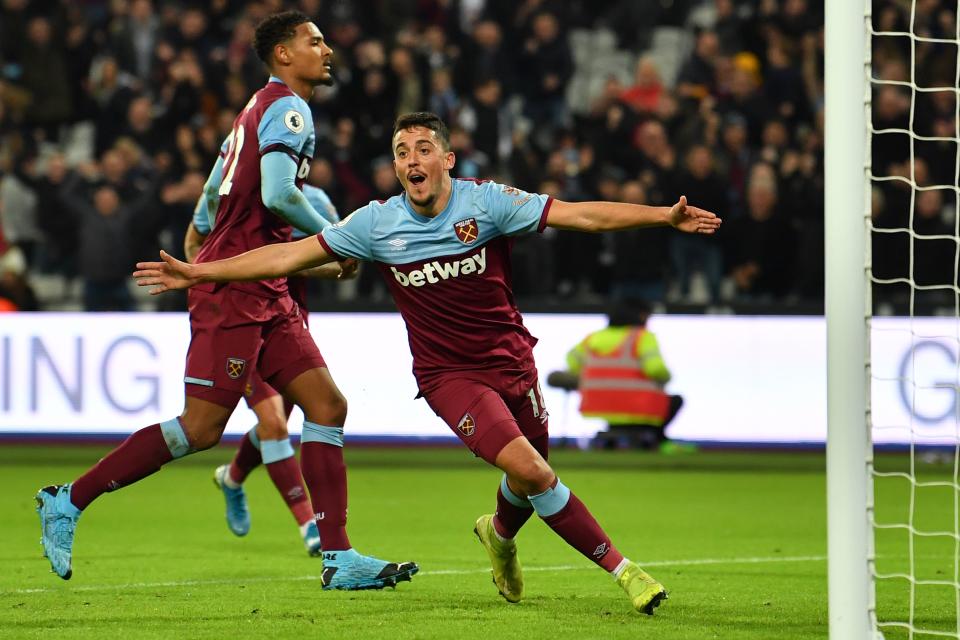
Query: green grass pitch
x,y
739,539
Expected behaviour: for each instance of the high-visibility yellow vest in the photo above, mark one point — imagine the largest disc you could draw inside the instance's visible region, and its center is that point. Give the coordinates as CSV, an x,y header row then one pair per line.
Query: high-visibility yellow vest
x,y
614,385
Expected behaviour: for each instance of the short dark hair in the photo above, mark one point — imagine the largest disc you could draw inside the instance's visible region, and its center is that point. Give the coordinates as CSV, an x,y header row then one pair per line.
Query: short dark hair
x,y
630,312
275,29
424,119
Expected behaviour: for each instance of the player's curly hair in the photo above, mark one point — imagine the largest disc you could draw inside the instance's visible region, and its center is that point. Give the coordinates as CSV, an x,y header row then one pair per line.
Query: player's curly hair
x,y
424,119
275,29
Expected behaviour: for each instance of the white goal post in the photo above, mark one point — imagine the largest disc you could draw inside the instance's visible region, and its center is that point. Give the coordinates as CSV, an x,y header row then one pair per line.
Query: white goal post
x,y
849,535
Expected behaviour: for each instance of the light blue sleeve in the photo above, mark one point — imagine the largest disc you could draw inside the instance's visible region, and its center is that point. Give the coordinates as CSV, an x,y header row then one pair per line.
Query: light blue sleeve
x,y
205,213
320,201
512,210
280,194
350,238
286,124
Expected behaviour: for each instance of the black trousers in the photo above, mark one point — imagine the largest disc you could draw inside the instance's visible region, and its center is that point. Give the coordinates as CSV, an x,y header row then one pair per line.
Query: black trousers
x,y
638,436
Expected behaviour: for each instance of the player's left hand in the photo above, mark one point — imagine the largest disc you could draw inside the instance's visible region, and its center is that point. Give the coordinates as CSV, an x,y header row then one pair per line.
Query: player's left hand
x,y
348,269
168,275
693,219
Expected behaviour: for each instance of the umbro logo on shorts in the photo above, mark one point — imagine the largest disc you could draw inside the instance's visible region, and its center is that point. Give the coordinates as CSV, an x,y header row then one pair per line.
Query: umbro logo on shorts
x,y
235,367
467,425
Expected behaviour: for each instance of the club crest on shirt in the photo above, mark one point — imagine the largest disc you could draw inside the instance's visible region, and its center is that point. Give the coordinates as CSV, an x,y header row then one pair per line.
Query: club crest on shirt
x,y
235,367
467,230
467,425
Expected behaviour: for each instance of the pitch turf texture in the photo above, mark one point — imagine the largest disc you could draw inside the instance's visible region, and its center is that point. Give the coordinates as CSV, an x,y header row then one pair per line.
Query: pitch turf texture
x,y
739,539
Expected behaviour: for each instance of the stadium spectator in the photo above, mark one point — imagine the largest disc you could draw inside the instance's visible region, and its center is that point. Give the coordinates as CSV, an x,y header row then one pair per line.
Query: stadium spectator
x,y
45,76
547,67
18,205
104,246
484,56
761,247
484,118
647,90
641,259
443,99
700,182
697,77
60,229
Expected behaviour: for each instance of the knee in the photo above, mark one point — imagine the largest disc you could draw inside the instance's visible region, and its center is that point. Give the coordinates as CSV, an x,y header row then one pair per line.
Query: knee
x,y
331,411
271,426
204,440
531,477
203,435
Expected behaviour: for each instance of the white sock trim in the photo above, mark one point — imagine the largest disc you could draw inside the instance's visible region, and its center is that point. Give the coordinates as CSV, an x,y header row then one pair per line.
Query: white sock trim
x,y
619,569
228,480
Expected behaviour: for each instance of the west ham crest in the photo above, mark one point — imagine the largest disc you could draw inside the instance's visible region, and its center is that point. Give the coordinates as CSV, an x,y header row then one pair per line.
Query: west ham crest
x,y
467,426
235,367
467,230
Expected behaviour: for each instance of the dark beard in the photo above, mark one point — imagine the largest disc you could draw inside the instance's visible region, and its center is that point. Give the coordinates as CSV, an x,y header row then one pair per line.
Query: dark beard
x,y
427,202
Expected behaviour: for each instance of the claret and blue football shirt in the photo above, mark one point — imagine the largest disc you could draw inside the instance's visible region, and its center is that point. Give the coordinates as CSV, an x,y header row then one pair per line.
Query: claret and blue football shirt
x,y
450,275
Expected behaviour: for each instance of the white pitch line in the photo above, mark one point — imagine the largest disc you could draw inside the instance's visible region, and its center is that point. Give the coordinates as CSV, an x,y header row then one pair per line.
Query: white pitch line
x,y
438,572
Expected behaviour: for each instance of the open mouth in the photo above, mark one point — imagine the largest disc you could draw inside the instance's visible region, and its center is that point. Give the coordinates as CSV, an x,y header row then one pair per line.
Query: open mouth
x,y
417,179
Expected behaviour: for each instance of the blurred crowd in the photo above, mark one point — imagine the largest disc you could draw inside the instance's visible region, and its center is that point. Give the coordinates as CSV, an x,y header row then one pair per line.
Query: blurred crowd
x,y
112,113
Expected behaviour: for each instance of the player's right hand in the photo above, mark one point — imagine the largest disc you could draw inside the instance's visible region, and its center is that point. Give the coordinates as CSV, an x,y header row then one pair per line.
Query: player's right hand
x,y
165,276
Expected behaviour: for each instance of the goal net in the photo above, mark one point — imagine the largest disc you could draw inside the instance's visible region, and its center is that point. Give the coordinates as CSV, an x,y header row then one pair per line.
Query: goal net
x,y
910,327
913,168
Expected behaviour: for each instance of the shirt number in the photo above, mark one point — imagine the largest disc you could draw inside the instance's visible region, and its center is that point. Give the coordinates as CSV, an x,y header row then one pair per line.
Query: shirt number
x,y
536,401
233,154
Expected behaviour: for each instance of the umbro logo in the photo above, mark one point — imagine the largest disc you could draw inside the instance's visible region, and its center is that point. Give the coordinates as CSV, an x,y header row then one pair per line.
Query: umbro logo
x,y
601,550
398,244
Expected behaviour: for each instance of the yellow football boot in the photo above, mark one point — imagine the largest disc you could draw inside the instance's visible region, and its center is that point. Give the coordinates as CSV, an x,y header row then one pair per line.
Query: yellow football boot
x,y
507,572
645,593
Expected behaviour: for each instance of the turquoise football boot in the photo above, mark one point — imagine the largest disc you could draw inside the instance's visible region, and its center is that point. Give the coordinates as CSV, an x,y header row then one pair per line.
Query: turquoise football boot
x,y
311,539
238,516
351,571
58,522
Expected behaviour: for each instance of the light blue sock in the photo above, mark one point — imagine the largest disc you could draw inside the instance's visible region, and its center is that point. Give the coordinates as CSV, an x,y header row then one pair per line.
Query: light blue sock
x,y
275,450
313,432
175,438
254,438
551,501
511,497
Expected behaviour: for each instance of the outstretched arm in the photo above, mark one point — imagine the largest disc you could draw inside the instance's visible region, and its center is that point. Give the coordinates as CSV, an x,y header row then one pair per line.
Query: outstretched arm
x,y
344,270
270,261
614,216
